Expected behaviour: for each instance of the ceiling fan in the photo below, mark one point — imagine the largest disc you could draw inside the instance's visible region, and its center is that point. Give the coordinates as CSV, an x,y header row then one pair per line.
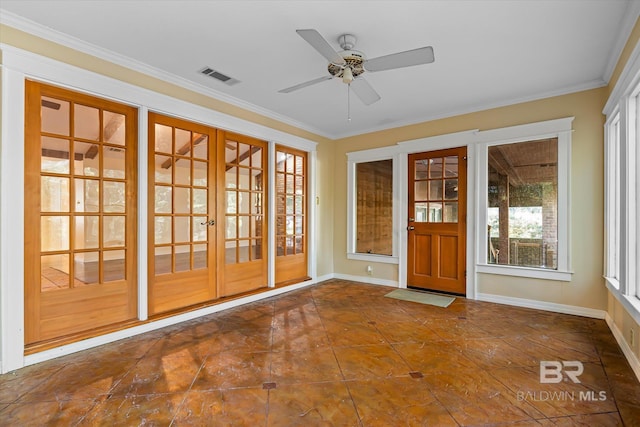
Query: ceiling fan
x,y
349,65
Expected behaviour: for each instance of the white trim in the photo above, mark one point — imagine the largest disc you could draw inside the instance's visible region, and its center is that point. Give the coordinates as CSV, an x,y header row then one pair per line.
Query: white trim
x,y
312,219
611,195
628,185
19,65
593,84
372,155
271,214
543,305
325,277
564,200
633,360
626,82
74,78
382,259
560,128
367,280
20,23
403,214
143,212
522,133
613,282
622,192
12,221
533,273
399,154
438,142
365,156
472,220
152,326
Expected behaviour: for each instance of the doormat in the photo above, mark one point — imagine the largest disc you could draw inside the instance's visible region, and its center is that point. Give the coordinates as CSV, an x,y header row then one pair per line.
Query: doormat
x,y
421,297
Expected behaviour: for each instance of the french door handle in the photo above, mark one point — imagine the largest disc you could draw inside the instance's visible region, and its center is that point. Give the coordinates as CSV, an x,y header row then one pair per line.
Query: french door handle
x,y
210,222
410,228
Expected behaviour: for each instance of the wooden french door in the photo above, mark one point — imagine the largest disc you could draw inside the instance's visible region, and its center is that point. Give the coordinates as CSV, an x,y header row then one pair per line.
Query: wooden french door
x,y
182,214
243,206
80,214
436,226
291,215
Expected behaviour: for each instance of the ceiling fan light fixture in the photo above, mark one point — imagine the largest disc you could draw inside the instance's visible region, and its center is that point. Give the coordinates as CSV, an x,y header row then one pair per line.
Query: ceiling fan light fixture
x,y
347,75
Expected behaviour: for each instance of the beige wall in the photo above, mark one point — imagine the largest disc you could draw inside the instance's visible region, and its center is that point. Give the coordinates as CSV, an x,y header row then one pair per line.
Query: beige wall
x,y
325,184
587,287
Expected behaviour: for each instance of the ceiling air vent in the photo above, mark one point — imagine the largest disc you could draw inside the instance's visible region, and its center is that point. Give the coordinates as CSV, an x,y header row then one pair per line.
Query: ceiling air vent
x,y
210,72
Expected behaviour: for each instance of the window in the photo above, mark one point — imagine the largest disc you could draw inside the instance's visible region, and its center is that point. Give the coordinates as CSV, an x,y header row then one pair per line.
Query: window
x,y
522,209
374,208
622,132
524,180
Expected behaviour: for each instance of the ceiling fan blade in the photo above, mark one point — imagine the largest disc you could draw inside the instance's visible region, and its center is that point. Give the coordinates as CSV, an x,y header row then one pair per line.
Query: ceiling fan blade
x,y
364,91
321,45
423,55
305,84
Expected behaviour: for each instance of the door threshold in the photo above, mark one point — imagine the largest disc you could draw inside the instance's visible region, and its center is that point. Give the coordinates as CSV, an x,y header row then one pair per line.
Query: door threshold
x,y
437,292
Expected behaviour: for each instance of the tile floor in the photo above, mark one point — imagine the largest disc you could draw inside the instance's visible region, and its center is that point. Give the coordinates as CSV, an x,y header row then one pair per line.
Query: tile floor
x,y
338,353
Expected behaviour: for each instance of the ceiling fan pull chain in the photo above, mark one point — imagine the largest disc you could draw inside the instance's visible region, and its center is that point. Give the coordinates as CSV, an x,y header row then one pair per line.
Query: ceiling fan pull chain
x,y
349,102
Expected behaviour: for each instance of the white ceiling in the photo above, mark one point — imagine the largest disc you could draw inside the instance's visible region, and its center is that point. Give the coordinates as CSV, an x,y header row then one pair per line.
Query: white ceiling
x,y
488,53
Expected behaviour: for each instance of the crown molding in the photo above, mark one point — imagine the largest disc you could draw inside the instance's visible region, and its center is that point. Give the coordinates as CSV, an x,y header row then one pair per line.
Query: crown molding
x,y
626,26
594,84
16,21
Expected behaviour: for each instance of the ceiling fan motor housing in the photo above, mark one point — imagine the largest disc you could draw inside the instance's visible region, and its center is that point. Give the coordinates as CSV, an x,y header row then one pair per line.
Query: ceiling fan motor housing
x,y
354,60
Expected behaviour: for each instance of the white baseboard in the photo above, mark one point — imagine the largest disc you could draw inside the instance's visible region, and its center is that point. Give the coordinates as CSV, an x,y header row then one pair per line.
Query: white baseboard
x,y
624,346
542,305
367,279
325,277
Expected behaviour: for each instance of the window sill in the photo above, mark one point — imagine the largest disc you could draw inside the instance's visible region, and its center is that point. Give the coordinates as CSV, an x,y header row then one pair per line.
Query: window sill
x,y
630,303
385,259
533,273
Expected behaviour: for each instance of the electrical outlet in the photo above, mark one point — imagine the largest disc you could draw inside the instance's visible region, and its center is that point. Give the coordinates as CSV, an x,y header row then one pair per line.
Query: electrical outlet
x,y
369,270
632,338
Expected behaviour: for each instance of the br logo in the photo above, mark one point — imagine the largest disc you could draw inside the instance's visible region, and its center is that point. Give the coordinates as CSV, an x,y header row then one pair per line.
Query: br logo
x,y
552,371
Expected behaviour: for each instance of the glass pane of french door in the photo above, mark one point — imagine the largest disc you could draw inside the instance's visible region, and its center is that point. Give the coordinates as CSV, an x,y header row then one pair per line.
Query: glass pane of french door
x,y
80,210
183,188
244,212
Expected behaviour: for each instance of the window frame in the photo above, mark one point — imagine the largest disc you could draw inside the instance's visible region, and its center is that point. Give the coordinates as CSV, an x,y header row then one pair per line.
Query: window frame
x,y
561,129
622,192
366,156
